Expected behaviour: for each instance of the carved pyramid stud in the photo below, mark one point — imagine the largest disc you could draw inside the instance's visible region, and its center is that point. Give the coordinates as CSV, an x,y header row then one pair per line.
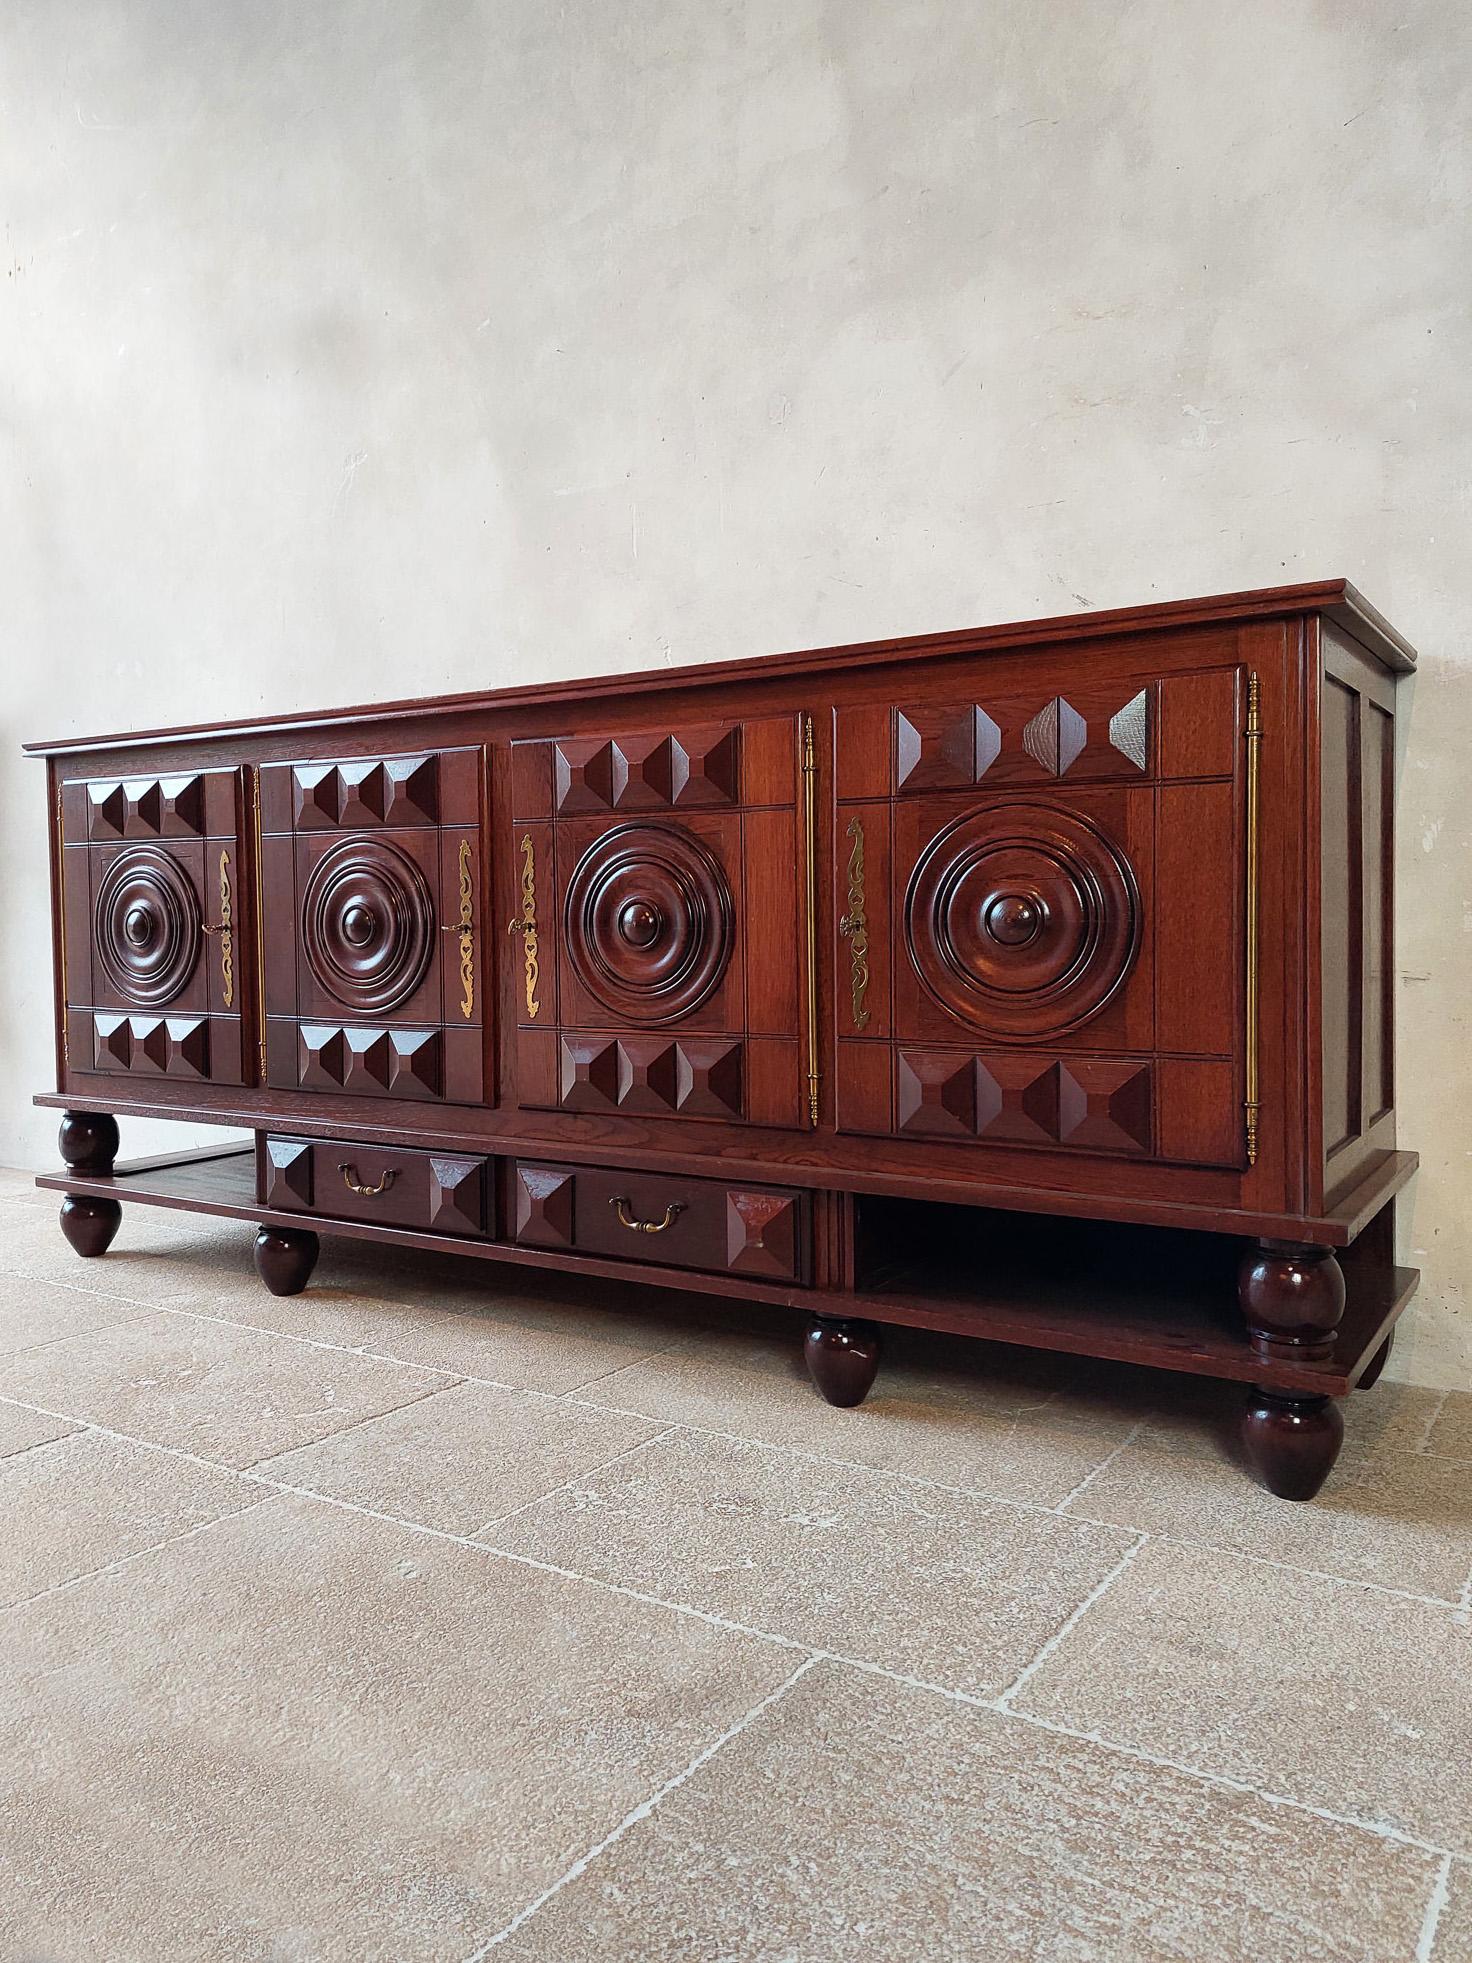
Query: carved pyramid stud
x,y
288,1172
544,1206
761,1234
457,1203
1056,736
937,1092
1105,1106
107,810
1129,730
590,1073
152,1046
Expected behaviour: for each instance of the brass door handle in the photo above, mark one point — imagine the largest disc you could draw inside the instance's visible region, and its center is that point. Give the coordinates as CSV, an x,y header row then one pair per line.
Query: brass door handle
x,y
350,1179
620,1206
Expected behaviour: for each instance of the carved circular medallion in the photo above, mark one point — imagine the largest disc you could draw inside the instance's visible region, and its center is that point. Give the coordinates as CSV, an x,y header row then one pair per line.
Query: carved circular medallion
x,y
146,926
649,922
1022,921
368,924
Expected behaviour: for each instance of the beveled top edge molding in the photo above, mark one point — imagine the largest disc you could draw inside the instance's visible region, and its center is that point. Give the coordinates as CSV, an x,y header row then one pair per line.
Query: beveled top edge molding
x,y
1336,598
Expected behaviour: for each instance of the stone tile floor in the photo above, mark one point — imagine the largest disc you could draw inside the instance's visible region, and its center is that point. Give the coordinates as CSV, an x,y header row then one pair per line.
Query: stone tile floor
x,y
442,1611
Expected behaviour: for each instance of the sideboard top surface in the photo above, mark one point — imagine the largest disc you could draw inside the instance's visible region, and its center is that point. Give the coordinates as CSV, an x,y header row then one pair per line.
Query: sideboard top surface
x,y
1335,599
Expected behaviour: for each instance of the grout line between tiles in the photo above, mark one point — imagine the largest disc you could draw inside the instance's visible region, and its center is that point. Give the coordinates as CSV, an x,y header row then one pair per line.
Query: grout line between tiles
x,y
1108,1460
1060,1635
1431,1422
1436,1902
566,1485
138,1554
41,1444
641,1811
1380,1828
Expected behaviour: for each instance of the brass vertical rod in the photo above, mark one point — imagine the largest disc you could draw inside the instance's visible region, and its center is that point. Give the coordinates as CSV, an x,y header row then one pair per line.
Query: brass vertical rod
x,y
810,880
259,950
1253,739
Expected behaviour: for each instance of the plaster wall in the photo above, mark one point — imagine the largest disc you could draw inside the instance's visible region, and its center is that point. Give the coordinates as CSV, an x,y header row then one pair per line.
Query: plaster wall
x,y
359,350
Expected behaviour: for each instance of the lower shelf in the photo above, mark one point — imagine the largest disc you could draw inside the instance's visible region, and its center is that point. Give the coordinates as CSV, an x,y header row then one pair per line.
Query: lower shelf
x,y
1156,1297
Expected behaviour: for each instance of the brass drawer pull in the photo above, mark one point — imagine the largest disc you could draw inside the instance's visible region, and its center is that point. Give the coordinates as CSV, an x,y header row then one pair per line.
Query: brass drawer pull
x,y
350,1179
626,1219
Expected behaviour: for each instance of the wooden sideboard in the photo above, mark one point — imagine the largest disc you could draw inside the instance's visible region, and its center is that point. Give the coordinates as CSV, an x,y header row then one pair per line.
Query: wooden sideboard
x,y
1033,982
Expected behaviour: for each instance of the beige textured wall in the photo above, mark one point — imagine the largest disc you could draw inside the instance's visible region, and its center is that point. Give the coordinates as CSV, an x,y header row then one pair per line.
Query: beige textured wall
x,y
354,350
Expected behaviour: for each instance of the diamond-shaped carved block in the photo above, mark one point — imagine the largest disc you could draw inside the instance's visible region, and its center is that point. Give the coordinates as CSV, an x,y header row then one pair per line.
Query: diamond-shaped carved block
x,y
763,1234
1017,1100
152,1046
590,1073
1129,730
288,1172
364,793
938,748
370,1062
1104,1107
544,1206
146,807
937,1092
1056,736
457,1195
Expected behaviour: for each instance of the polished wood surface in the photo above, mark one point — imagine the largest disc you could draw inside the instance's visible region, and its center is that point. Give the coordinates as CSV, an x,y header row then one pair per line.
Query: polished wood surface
x,y
714,970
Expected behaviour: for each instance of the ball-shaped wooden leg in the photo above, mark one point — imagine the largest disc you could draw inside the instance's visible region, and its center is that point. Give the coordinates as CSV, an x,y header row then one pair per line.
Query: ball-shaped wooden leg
x,y
285,1258
1291,1443
842,1359
89,1224
1292,1299
88,1140
1370,1375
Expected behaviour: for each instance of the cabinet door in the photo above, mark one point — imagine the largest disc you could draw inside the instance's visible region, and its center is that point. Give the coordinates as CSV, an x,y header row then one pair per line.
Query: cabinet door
x,y
372,885
154,966
654,889
1038,939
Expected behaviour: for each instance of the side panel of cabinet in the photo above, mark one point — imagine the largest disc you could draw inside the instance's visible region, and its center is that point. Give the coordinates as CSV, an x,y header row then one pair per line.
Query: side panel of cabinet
x,y
154,963
373,887
1356,814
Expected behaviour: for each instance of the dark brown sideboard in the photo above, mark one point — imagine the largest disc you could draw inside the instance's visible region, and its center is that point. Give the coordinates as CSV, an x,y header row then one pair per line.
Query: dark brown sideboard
x,y
1032,982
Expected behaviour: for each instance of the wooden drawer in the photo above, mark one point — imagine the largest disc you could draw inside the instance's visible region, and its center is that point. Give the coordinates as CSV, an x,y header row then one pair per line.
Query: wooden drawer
x,y
761,1231
443,1192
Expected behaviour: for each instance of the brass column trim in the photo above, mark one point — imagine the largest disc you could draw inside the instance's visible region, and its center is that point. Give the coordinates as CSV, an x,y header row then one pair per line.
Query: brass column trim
x,y
227,938
525,924
1252,736
258,953
467,931
810,881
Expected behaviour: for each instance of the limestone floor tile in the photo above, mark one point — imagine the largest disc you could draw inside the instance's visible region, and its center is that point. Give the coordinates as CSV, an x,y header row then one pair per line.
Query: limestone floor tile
x,y
235,1395
304,1733
1335,1695
1396,1518
159,1256
35,1310
1453,1940
84,1500
1450,1434
506,1340
862,1821
958,1419
21,1428
461,1458
947,1587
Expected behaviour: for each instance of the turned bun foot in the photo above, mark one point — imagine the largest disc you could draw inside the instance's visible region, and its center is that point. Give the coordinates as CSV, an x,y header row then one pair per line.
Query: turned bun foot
x,y
1370,1376
1291,1443
88,1140
842,1359
90,1224
285,1258
1292,1299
